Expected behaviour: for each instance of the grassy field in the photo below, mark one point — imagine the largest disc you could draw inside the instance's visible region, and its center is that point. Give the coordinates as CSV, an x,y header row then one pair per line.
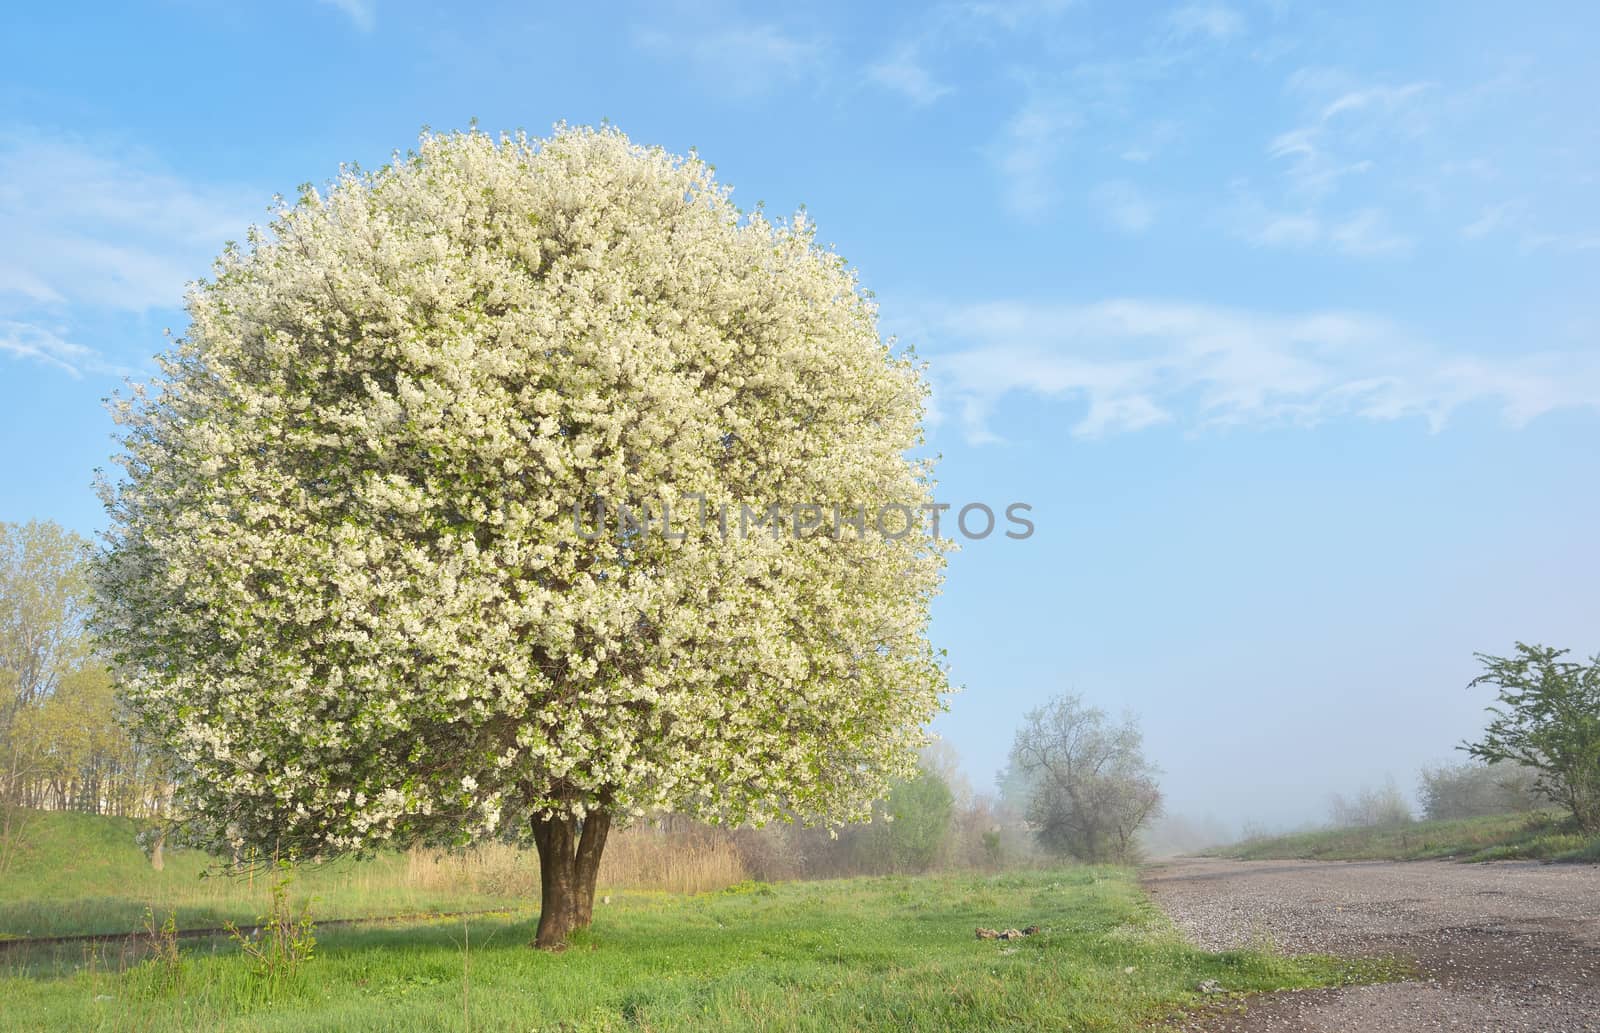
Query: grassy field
x,y
80,873
878,953
70,874
1543,835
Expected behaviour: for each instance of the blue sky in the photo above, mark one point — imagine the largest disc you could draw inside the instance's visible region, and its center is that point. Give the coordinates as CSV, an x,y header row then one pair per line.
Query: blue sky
x,y
1275,313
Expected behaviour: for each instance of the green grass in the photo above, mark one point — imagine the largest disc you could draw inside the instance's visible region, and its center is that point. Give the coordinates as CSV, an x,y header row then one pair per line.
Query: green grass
x,y
81,873
1543,835
864,954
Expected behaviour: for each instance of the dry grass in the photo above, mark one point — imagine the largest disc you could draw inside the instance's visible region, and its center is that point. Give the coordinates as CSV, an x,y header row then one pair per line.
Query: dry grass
x,y
643,857
691,861
85,874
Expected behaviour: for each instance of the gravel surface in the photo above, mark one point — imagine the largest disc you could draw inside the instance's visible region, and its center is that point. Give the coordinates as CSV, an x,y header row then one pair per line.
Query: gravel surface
x,y
1507,947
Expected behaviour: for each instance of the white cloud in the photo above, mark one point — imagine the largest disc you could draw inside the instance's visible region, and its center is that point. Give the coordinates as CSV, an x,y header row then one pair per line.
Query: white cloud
x,y
363,14
1027,153
1362,233
96,228
1494,218
1314,168
101,225
1217,21
903,72
1150,141
1287,229
1013,14
1124,206
1514,219
1318,152
1136,363
1338,168
1385,97
1108,92
747,59
956,25
31,342
1367,233
1580,241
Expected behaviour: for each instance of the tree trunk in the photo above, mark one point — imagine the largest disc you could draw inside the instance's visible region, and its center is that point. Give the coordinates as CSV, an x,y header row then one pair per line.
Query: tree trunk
x,y
596,826
158,859
557,880
568,866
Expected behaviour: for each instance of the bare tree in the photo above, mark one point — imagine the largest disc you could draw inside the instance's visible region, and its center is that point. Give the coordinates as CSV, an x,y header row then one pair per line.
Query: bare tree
x,y
1086,784
1383,807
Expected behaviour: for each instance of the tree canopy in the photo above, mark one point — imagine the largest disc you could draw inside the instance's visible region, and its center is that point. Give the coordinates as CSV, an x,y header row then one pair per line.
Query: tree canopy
x,y
1547,717
346,589
1084,783
61,744
44,595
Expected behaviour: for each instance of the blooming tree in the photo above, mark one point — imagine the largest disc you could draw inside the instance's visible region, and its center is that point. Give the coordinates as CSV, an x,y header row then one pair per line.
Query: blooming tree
x,y
345,588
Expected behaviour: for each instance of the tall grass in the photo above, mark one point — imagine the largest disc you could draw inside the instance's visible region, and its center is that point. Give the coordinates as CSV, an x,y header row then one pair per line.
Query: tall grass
x,y
85,874
643,857
678,862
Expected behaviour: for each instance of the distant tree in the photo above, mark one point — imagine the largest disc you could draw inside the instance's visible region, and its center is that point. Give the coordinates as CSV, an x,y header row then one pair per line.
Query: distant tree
x,y
1474,789
44,598
1014,790
62,742
347,589
940,758
910,832
1547,718
1087,784
1383,807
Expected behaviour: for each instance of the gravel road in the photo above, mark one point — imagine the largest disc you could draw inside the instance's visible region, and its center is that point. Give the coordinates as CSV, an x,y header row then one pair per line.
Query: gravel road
x,y
1498,948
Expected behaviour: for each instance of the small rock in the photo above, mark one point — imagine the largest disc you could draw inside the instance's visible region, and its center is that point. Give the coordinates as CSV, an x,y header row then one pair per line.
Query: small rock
x,y
1210,986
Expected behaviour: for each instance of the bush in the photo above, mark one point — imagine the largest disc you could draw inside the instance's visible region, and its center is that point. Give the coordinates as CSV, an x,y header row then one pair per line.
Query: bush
x,y
1384,807
282,942
1547,716
910,832
1475,789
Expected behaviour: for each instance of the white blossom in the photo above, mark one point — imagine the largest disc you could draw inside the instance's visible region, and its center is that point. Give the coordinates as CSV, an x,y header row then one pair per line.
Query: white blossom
x,y
343,585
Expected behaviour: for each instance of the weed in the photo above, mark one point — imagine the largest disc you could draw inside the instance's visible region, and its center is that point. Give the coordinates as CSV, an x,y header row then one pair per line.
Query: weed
x,y
163,963
283,940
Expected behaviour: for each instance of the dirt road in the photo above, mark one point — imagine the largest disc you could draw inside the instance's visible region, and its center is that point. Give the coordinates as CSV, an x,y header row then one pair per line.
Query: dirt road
x,y
1499,948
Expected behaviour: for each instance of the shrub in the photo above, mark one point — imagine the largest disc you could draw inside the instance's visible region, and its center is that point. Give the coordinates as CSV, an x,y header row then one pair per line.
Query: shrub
x,y
283,940
1475,789
1383,807
1548,718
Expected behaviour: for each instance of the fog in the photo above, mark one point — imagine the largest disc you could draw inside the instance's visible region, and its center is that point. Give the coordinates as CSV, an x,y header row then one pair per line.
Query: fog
x,y
1281,640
